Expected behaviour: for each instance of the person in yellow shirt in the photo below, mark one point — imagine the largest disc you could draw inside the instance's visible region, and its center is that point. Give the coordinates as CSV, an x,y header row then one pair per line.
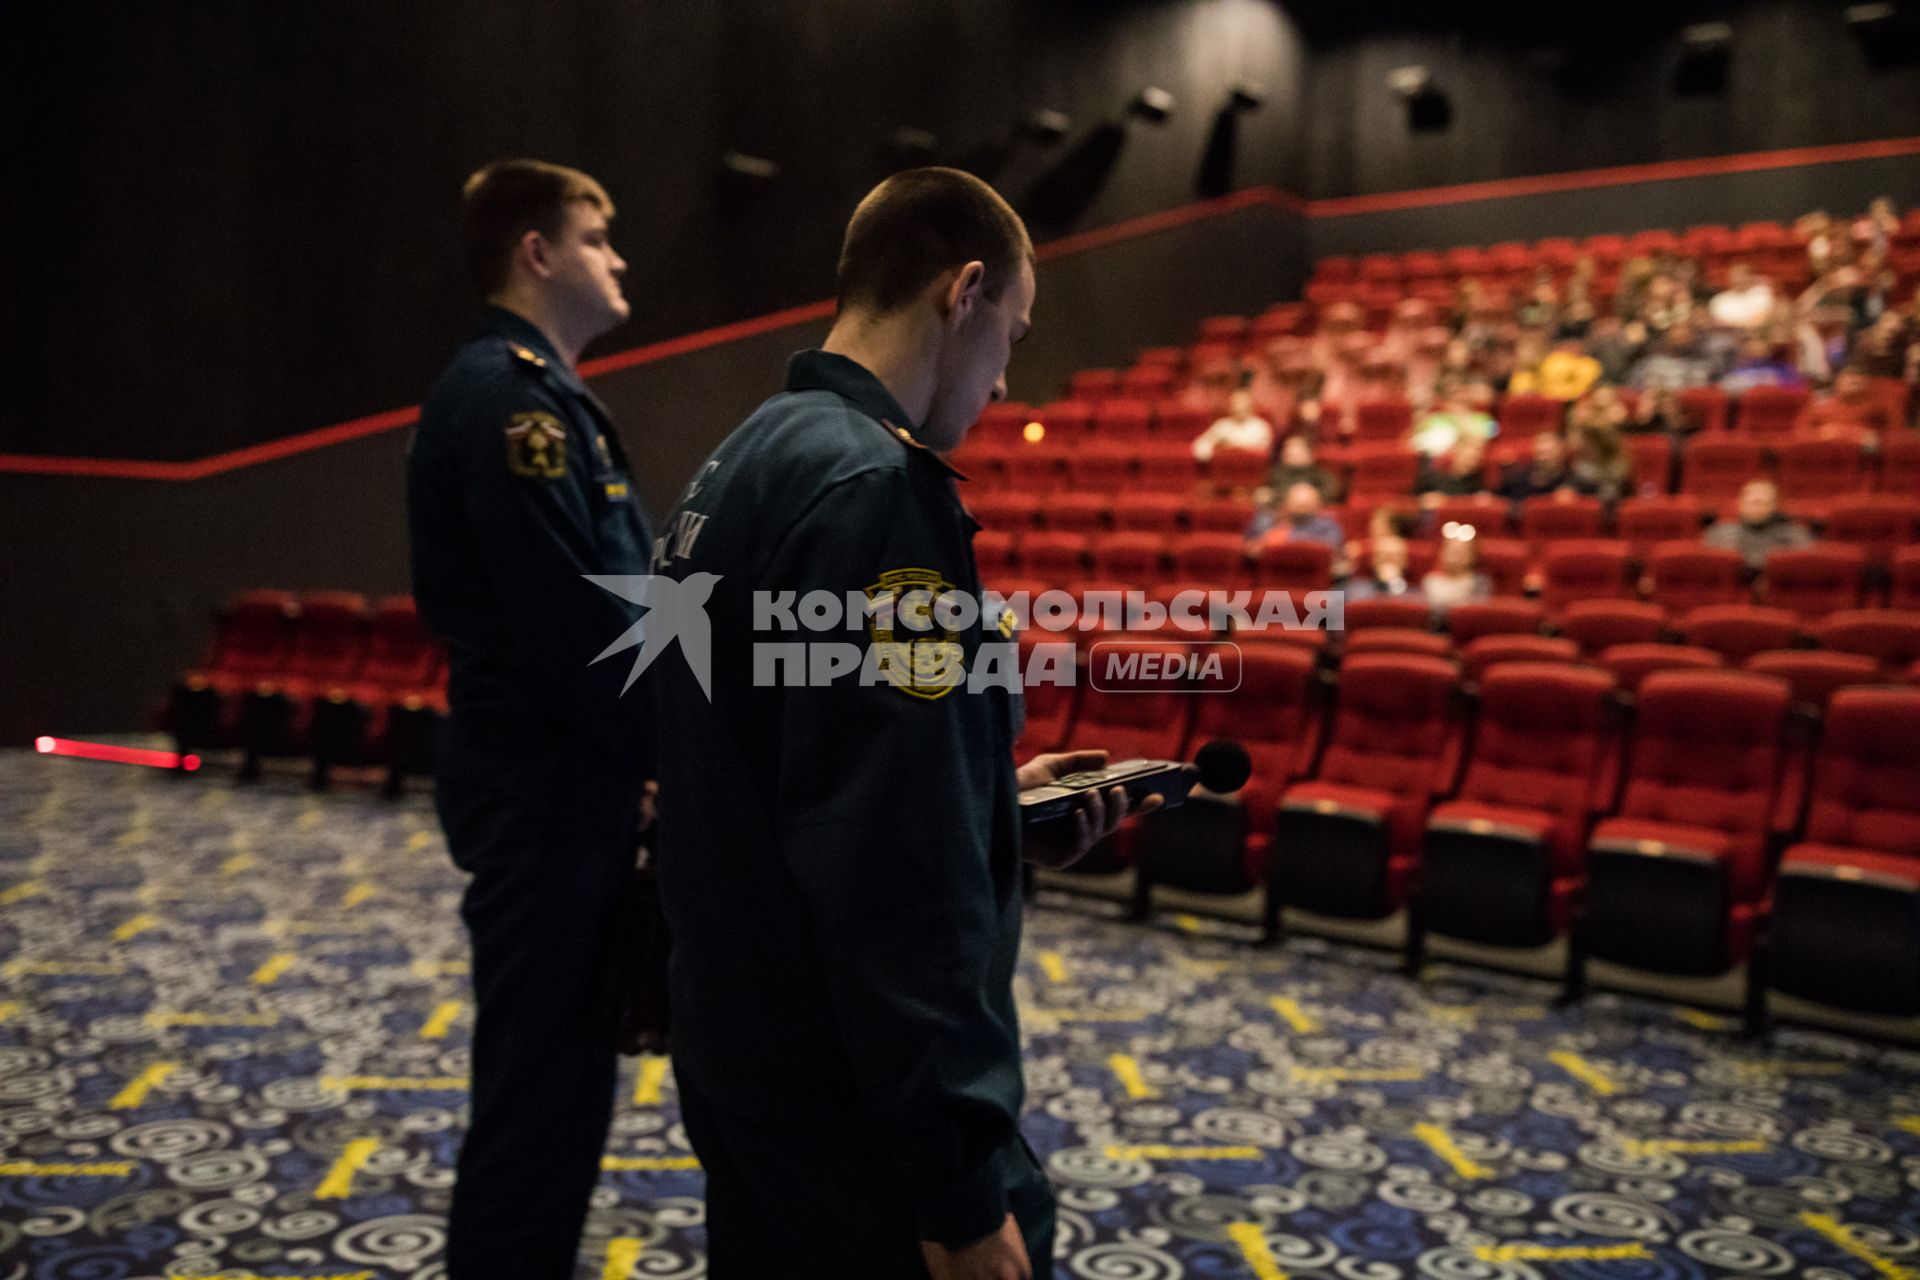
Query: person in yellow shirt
x,y
1565,373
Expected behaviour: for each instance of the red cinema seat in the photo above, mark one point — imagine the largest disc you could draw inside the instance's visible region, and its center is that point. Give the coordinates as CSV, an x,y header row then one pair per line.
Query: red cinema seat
x,y
1005,511
1503,615
1348,842
1077,512
1035,468
1815,581
1905,574
1631,664
1770,411
329,645
1468,260
1598,625
1382,421
1065,422
1175,421
1001,423
1708,408
1845,929
1127,706
1224,329
1653,243
997,553
1144,382
1687,575
1137,559
1484,513
1336,268
1492,651
1380,473
1815,676
1397,640
1644,522
1890,637
1813,474
1060,558
1091,386
1293,566
1651,459
1210,561
1900,464
1166,466
1525,416
1410,612
1877,523
1549,518
1100,468
403,665
1584,569
1677,881
1505,860
251,639
1126,421
1738,631
1715,469
1220,515
1236,469
1135,512
1222,845
1050,701
1505,561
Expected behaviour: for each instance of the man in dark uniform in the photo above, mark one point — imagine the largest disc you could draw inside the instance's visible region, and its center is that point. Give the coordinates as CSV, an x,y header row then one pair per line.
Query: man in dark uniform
x,y
516,487
840,862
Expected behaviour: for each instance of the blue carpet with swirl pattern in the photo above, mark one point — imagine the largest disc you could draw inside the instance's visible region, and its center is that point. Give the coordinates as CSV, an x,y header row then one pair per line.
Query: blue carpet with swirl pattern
x,y
233,1041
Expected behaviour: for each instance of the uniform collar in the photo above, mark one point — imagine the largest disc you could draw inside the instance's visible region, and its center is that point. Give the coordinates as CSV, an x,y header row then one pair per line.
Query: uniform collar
x,y
852,382
522,332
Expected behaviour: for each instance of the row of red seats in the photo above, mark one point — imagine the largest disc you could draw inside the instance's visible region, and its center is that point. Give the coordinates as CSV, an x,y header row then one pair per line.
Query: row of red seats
x,y
1685,830
326,675
1674,575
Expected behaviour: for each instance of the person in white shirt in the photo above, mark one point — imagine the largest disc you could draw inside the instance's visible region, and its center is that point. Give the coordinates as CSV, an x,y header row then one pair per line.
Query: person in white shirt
x,y
1746,303
1242,428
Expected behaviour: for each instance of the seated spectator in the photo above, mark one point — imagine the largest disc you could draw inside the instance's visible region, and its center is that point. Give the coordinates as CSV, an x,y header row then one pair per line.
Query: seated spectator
x,y
1675,362
1386,574
1880,351
1301,518
1852,405
1746,303
1463,474
1760,363
1296,466
1601,406
1461,417
1455,579
1759,529
1616,344
1241,428
1599,464
1565,373
1547,472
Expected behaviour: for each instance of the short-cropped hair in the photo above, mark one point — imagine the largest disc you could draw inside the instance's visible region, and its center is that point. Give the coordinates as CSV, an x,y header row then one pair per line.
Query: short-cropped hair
x,y
504,201
923,222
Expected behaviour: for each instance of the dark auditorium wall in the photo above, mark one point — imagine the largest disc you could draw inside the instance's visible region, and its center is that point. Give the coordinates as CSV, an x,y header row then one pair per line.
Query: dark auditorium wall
x,y
107,586
230,223
1547,88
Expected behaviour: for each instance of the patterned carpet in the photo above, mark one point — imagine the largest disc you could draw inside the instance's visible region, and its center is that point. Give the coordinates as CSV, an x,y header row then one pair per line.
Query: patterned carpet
x,y
232,1043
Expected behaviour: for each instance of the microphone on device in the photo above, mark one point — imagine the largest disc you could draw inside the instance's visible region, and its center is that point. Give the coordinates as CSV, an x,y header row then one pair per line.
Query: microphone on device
x,y
1221,766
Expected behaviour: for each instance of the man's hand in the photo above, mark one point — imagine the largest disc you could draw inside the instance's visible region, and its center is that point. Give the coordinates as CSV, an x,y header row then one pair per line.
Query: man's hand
x,y
649,806
1000,1256
1065,840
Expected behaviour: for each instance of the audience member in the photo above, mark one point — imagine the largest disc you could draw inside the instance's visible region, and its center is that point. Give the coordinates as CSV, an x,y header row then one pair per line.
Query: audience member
x,y
1746,303
1758,528
1761,362
1297,466
1545,472
1301,518
1598,463
1241,428
1455,579
1463,474
1676,362
1852,405
1386,573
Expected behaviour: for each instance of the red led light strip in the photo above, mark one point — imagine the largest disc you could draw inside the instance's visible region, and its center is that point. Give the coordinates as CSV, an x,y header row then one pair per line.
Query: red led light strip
x,y
116,755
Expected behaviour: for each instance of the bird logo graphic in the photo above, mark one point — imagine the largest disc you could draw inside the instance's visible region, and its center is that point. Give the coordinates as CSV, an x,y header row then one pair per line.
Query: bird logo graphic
x,y
675,609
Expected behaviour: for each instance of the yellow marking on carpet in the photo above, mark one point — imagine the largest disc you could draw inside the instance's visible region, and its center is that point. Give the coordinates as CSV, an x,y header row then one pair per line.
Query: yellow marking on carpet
x,y
141,1085
67,968
1053,965
137,925
1836,1231
338,1184
623,1254
236,864
1206,968
1583,1071
20,892
1190,924
358,894
9,1009
213,800
1254,1248
1792,1068
646,1084
1447,1149
1559,1252
430,1084
254,1275
1293,1015
442,1018
649,1164
161,1018
1702,1019
1127,1071
63,1169
1910,1123
272,970
307,821
1151,1152
1321,1075
1682,1146
438,968
1083,1015
419,840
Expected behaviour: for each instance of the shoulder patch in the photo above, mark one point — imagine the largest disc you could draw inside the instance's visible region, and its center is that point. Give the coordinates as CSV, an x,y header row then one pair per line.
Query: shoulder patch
x,y
917,653
536,446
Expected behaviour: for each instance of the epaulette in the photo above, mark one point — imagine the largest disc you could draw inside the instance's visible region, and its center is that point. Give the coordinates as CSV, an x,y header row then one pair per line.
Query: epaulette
x,y
907,438
527,356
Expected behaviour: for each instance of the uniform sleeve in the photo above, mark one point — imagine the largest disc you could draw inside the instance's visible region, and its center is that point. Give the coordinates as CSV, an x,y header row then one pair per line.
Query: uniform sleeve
x,y
532,523
884,802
